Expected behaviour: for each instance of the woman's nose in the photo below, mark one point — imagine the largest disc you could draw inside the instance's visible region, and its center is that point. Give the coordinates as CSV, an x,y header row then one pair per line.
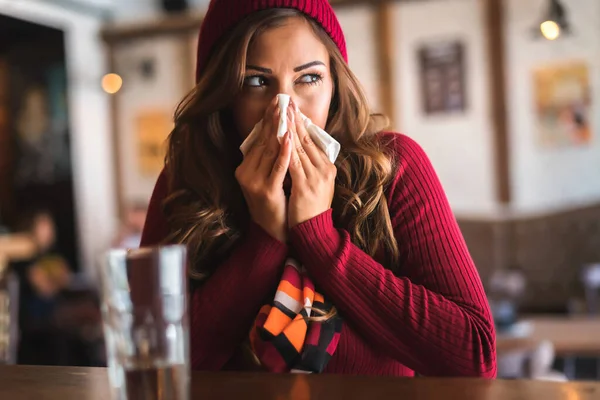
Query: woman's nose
x,y
284,86
293,98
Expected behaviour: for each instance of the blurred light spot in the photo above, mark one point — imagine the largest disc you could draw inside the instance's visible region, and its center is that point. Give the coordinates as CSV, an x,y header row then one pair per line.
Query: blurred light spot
x,y
550,30
111,83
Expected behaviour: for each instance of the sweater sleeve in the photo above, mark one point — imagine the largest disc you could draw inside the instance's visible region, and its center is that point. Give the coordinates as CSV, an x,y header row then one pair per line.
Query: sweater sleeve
x,y
433,316
223,309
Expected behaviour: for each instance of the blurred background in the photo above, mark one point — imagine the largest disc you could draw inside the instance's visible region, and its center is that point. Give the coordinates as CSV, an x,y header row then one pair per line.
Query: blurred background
x,y
503,95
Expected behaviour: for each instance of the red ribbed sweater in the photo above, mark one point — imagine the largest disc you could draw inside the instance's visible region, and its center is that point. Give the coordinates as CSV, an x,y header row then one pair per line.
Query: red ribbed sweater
x,y
433,318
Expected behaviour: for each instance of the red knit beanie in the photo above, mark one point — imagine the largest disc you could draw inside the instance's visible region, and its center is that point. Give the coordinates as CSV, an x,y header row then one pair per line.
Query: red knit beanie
x,y
222,15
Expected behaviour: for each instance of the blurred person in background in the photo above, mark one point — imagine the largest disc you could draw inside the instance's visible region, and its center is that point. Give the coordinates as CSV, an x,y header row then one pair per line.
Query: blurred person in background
x,y
41,279
130,232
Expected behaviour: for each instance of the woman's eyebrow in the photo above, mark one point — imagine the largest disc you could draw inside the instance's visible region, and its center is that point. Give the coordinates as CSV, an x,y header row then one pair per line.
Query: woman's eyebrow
x,y
297,69
308,65
260,69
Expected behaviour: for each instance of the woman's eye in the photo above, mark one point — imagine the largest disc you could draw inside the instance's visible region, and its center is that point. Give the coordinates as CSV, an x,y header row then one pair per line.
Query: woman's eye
x,y
311,79
255,81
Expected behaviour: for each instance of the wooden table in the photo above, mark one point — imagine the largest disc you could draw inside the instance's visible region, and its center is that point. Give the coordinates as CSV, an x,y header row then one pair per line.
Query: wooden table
x,y
571,336
68,383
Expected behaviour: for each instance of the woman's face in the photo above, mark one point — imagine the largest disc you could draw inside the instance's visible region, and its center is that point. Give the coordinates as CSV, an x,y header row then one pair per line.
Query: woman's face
x,y
289,59
44,231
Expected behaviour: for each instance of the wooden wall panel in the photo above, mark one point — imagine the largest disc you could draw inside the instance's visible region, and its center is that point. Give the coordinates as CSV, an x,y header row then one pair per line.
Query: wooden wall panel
x,y
551,250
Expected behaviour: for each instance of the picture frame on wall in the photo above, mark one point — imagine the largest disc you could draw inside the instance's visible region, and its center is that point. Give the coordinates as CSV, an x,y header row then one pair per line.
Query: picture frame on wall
x,y
153,127
563,104
442,75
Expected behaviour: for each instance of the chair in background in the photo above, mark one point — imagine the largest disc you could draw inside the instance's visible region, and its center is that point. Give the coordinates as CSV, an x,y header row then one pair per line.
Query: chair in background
x,y
506,288
530,362
590,278
538,365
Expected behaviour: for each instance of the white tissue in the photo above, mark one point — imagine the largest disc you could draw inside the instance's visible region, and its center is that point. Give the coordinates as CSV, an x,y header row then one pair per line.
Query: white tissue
x,y
322,139
284,103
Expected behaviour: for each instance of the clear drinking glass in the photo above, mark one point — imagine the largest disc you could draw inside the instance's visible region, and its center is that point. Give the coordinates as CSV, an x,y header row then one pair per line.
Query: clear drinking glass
x,y
146,328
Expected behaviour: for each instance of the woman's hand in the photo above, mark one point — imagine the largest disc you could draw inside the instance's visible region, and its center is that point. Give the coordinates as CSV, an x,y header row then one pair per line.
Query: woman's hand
x,y
261,176
313,175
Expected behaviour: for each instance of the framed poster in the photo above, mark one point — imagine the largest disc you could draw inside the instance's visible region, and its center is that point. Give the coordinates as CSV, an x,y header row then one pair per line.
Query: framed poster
x,y
563,105
153,127
442,72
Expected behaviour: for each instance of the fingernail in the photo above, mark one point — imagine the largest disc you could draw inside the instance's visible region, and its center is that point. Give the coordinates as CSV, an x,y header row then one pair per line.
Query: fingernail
x,y
296,107
276,100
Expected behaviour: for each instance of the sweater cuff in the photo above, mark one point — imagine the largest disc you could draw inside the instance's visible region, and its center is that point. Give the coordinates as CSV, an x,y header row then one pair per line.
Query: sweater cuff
x,y
258,238
316,239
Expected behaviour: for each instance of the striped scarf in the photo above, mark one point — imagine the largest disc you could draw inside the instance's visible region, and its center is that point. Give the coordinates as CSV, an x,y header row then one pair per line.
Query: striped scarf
x,y
283,338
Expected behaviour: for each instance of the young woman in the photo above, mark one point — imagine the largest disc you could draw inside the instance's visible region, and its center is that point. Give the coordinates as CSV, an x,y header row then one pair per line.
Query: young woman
x,y
374,231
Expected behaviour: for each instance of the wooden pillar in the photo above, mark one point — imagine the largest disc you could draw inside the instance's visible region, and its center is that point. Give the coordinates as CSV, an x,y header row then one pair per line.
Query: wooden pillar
x,y
494,24
505,245
385,52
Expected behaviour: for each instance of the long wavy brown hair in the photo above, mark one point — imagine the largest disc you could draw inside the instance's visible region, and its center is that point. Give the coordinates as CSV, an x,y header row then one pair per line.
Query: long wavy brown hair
x,y
205,206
